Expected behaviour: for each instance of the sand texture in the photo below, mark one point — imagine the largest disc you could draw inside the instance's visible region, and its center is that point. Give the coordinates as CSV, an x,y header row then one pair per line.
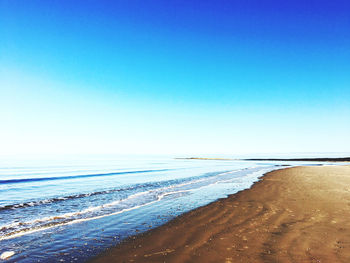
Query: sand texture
x,y
299,214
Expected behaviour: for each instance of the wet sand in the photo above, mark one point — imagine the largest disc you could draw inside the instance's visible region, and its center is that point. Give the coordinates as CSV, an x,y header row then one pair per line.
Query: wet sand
x,y
299,214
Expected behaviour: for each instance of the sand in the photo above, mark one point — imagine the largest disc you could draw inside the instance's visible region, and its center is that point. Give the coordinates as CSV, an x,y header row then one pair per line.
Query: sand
x,y
299,214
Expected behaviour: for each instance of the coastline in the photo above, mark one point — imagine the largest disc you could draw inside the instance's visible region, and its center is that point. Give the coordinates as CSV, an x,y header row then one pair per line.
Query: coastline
x,y
296,214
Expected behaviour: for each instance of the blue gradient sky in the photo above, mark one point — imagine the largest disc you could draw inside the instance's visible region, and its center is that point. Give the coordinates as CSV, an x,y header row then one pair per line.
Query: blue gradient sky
x,y
178,77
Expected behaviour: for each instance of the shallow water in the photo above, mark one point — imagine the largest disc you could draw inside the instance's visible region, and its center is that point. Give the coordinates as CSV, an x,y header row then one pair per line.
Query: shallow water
x,y
69,210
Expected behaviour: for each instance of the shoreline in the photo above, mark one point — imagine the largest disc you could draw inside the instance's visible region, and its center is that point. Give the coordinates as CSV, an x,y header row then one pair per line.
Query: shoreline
x,y
294,214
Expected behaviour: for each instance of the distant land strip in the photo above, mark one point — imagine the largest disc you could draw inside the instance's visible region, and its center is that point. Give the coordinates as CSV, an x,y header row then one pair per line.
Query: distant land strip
x,y
336,159
202,158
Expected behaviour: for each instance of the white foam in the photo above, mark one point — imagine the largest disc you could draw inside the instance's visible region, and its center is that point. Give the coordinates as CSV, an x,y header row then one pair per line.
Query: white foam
x,y
29,231
6,255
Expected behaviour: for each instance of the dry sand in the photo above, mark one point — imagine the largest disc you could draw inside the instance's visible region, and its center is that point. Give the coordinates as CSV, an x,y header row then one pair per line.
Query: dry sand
x,y
299,214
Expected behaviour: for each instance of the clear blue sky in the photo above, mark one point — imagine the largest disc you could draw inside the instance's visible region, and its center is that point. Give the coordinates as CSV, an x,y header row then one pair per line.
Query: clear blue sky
x,y
178,77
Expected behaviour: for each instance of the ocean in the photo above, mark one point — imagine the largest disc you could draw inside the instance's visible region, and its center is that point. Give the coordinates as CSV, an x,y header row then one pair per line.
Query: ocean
x,y
69,209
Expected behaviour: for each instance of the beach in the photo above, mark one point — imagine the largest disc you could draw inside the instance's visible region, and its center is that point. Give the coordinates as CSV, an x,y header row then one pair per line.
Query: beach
x,y
297,214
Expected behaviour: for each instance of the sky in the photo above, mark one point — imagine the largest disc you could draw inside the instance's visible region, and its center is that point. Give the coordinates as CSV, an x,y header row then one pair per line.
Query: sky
x,y
174,77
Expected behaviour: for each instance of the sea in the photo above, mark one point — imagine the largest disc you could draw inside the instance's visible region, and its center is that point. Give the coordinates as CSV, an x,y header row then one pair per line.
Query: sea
x,y
71,208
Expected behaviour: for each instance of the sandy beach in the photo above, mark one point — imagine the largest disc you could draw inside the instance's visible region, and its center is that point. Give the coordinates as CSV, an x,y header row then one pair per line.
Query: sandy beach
x,y
298,214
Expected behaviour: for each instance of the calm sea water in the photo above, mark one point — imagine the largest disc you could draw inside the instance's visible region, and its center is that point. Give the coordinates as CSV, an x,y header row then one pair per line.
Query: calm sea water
x,y
70,209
